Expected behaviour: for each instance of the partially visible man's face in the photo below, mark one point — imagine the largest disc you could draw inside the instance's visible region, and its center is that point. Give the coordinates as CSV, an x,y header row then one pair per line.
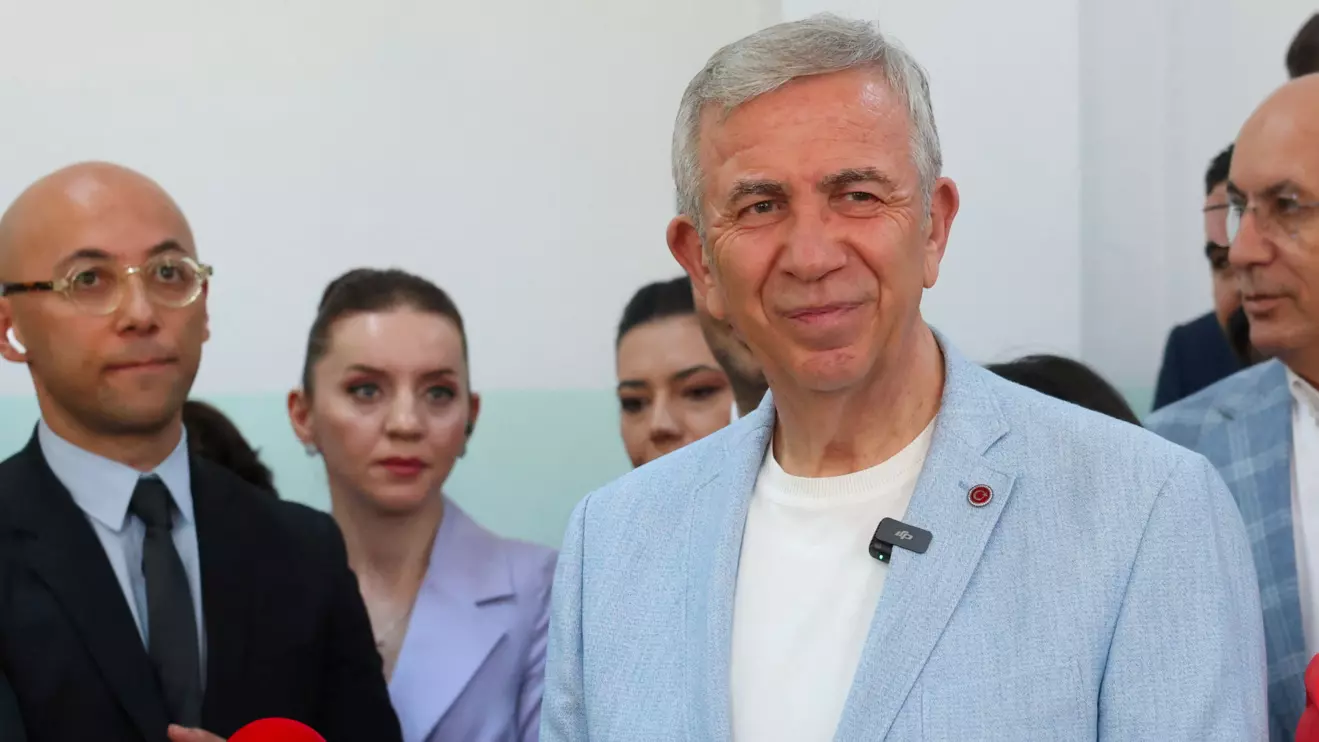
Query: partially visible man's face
x,y
732,354
1227,296
128,371
1275,170
816,227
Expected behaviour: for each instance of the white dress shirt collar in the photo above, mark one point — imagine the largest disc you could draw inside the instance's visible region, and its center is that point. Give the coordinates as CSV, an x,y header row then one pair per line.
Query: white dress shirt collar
x,y
1306,396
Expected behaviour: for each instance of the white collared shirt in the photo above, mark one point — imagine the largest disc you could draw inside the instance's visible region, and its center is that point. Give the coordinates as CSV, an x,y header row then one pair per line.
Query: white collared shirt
x,y
1305,502
102,489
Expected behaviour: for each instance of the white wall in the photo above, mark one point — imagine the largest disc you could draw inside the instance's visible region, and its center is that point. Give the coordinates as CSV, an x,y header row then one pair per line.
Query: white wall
x,y
515,152
1125,211
1165,87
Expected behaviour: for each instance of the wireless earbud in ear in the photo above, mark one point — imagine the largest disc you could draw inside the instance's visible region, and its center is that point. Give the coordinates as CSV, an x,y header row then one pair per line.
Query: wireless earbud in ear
x,y
13,340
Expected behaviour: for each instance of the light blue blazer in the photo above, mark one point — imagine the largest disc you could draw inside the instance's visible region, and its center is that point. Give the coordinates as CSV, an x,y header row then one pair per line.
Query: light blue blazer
x,y
1105,591
1243,425
472,665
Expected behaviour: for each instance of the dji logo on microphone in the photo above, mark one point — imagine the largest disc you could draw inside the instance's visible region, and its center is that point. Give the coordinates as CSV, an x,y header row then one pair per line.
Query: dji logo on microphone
x,y
892,533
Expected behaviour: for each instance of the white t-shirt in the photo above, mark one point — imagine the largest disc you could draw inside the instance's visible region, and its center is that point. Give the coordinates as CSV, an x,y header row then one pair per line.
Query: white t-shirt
x,y
806,593
1305,503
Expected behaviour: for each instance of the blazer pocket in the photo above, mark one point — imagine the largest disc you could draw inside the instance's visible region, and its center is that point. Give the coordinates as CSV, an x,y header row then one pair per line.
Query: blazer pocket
x,y
1039,703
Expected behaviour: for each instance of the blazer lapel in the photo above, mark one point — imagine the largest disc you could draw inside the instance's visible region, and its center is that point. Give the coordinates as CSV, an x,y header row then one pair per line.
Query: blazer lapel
x,y
1258,441
230,577
451,631
922,590
56,540
714,546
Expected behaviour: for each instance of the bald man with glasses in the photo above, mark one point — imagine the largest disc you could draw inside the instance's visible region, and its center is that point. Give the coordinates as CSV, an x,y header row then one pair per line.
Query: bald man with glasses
x,y
1260,427
145,594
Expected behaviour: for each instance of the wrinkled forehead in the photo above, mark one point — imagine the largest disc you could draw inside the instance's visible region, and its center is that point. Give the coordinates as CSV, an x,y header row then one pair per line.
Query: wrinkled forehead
x,y
840,120
126,224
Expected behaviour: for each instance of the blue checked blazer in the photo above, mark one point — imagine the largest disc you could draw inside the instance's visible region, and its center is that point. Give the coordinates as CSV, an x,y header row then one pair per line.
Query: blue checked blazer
x,y
1105,592
1243,425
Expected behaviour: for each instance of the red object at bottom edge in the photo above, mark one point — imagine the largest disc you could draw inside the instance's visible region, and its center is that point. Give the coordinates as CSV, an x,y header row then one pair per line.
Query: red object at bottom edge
x,y
276,730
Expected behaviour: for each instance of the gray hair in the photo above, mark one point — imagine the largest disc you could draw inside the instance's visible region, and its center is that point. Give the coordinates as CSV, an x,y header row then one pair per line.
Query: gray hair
x,y
768,59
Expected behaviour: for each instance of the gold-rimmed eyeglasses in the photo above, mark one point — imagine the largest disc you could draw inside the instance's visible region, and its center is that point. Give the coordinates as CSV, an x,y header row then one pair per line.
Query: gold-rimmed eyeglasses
x,y
97,286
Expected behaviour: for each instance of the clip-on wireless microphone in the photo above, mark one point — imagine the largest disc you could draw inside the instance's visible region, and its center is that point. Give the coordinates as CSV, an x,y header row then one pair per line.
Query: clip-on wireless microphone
x,y
892,533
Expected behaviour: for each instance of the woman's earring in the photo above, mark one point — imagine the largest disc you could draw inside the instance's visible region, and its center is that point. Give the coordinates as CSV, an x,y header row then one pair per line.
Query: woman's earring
x,y
311,449
467,435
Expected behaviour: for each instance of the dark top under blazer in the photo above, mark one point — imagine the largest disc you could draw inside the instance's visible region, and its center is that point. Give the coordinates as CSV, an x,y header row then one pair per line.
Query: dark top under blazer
x,y
287,632
1197,356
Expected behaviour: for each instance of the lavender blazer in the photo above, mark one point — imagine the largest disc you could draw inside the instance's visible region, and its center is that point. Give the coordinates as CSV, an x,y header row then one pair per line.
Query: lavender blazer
x,y
472,665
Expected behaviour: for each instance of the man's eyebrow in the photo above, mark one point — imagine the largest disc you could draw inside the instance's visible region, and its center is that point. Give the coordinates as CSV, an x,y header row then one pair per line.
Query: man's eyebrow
x,y
852,175
164,247
85,253
1282,187
1271,191
96,253
743,188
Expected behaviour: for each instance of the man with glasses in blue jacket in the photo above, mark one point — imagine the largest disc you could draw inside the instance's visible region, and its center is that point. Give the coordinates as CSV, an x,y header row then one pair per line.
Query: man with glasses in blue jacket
x,y
1260,427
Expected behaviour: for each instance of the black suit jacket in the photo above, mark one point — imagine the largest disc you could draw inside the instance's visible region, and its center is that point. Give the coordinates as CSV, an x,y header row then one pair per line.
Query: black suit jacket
x,y
1197,355
11,721
287,633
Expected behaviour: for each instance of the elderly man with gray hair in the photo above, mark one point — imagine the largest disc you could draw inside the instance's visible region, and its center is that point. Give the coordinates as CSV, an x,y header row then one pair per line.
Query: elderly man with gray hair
x,y
896,544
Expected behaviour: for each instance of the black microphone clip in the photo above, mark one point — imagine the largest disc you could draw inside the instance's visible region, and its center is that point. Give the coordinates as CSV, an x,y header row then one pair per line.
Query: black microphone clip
x,y
892,533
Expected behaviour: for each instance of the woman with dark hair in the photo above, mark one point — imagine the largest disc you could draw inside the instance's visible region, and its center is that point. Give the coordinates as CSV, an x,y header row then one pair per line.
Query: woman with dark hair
x,y
460,615
215,438
1068,380
671,390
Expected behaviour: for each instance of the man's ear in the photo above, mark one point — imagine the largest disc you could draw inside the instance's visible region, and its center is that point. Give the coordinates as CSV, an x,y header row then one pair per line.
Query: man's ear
x,y
11,343
687,248
944,203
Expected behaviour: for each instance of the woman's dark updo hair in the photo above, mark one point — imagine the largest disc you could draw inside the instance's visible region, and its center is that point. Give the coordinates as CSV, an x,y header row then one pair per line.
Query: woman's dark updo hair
x,y
1068,380
363,290
657,301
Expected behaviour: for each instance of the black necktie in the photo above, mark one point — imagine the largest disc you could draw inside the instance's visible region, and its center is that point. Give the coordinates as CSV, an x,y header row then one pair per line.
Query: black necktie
x,y
171,623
